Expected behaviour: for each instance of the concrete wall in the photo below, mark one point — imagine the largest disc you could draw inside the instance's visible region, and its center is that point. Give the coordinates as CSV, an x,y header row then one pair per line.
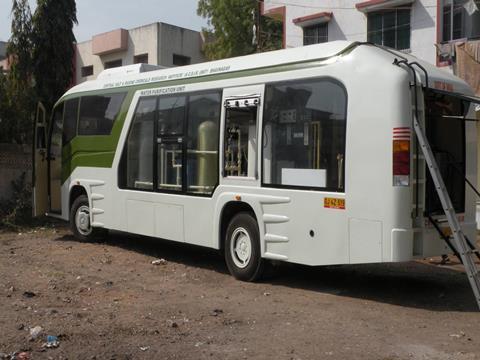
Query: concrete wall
x,y
180,41
348,23
160,41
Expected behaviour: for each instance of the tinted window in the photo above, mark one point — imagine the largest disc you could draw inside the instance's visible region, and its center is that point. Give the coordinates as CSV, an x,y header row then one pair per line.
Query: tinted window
x,y
171,114
202,142
304,134
161,150
70,120
139,147
57,131
98,112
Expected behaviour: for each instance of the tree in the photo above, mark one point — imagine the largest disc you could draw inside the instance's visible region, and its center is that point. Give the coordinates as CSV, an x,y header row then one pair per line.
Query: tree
x,y
17,98
53,48
19,47
234,28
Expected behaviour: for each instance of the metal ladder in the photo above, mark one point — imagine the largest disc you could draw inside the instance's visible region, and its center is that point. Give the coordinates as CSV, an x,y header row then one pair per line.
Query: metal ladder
x,y
460,241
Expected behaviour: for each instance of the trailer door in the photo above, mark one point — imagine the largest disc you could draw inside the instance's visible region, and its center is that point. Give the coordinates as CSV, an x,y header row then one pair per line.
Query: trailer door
x,y
55,160
40,164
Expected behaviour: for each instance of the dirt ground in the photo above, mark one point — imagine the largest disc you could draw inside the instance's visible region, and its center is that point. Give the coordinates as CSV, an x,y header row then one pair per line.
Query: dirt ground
x,y
108,301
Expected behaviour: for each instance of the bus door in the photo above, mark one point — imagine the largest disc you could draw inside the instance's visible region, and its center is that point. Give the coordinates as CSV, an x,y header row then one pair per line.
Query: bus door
x,y
241,131
40,163
55,161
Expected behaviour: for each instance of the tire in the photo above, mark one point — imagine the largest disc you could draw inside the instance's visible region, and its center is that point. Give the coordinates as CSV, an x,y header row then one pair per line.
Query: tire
x,y
80,221
242,248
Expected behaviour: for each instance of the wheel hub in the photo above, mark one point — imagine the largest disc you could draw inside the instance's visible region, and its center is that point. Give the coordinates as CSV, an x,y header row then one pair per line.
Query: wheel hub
x,y
82,220
241,247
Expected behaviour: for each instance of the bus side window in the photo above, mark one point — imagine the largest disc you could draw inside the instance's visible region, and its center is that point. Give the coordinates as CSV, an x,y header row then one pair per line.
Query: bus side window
x,y
171,118
138,156
98,113
304,134
202,142
70,120
55,141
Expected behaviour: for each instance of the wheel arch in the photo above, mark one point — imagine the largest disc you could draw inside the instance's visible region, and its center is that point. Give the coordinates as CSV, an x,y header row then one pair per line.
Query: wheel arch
x,y
75,192
229,210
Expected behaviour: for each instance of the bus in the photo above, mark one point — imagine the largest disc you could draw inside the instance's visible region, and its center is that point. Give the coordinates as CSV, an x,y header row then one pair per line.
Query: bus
x,y
302,155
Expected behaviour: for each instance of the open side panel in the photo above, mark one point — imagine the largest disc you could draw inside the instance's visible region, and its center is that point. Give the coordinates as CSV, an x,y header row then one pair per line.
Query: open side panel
x,y
40,164
242,112
445,131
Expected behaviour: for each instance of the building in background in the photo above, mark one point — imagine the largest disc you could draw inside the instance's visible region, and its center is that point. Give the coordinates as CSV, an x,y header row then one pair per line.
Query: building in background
x,y
3,56
155,44
3,50
432,30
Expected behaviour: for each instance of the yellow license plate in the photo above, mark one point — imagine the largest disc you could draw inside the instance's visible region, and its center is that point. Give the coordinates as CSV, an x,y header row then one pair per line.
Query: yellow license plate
x,y
334,203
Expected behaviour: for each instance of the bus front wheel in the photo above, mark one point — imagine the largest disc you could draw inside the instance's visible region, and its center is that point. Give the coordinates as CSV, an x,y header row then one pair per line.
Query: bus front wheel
x,y
80,221
242,248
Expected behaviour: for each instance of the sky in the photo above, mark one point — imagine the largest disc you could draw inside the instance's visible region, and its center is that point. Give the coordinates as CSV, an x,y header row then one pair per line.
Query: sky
x,y
97,16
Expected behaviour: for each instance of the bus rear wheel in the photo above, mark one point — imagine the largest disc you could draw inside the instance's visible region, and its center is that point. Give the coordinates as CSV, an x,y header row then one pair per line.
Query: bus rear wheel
x,y
242,248
80,221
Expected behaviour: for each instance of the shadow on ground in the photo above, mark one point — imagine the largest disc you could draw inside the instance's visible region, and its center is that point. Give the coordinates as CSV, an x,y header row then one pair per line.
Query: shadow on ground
x,y
412,284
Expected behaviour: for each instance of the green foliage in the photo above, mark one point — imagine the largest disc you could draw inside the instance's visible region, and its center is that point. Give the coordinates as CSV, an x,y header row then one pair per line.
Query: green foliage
x,y
17,212
19,46
53,48
270,36
41,50
231,28
17,100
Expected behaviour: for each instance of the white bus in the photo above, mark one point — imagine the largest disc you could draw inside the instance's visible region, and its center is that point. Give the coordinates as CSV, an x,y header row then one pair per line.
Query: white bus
x,y
304,155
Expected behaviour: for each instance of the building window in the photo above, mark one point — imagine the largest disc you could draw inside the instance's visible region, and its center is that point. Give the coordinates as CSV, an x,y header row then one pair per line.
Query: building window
x,y
180,60
87,71
460,19
140,59
390,28
304,135
98,112
113,64
315,34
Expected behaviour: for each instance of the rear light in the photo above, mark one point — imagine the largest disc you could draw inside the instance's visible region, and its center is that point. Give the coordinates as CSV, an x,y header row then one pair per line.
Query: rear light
x,y
401,162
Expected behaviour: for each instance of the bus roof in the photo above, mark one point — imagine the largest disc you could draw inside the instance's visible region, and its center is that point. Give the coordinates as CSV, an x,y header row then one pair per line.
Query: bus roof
x,y
328,52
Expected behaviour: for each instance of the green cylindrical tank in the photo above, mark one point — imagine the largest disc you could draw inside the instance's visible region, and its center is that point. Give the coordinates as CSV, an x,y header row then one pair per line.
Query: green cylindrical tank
x,y
207,162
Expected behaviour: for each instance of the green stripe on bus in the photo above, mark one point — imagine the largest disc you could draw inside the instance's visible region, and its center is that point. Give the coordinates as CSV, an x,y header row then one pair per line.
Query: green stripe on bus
x,y
102,148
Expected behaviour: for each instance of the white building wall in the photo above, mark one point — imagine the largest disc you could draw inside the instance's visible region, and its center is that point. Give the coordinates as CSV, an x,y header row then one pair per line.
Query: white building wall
x,y
348,23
